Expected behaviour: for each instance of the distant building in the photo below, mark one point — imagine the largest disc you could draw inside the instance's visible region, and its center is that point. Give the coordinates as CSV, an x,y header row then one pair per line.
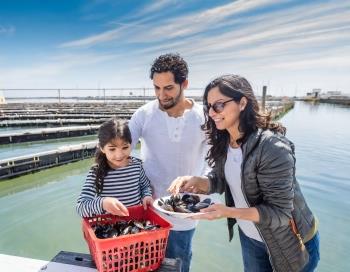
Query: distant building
x,y
334,95
314,94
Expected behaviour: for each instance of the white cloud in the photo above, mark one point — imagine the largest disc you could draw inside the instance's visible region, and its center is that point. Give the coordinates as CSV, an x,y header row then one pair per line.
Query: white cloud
x,y
156,5
287,29
95,39
135,23
270,37
273,28
55,66
316,63
291,43
177,27
201,21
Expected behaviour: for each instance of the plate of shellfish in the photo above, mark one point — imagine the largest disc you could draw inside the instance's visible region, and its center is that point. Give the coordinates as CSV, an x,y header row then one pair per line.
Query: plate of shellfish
x,y
182,205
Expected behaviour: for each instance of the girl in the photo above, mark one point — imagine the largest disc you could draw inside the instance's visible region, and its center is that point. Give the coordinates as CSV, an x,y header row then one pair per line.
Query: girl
x,y
117,180
254,165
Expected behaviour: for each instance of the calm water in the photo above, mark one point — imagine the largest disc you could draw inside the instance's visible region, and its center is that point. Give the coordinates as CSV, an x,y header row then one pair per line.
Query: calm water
x,y
14,150
6,130
38,219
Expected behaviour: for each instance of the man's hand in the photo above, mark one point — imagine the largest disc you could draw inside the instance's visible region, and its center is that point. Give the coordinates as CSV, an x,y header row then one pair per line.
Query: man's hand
x,y
192,184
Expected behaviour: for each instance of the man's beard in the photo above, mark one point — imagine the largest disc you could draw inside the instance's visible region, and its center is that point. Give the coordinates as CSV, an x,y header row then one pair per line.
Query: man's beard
x,y
171,103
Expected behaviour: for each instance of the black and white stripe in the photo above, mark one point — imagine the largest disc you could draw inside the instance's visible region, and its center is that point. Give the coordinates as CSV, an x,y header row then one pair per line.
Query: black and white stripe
x,y
128,184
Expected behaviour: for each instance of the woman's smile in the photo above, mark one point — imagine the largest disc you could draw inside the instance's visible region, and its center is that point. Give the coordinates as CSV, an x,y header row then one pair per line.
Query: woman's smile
x,y
228,115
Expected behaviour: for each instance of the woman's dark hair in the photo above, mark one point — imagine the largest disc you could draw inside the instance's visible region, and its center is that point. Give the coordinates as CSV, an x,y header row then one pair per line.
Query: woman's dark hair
x,y
173,63
250,119
108,131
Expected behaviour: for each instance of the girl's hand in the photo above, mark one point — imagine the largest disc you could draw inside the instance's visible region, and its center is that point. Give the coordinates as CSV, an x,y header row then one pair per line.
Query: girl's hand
x,y
215,211
114,206
192,184
147,201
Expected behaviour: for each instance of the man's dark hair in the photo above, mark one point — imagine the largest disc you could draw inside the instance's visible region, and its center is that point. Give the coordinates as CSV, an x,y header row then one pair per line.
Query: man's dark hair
x,y
173,63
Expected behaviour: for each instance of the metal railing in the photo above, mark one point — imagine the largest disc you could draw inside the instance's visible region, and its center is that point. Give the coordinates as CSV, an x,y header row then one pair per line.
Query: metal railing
x,y
87,94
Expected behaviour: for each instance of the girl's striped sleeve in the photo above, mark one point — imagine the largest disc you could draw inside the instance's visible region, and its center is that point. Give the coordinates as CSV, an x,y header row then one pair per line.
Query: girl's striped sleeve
x,y
88,203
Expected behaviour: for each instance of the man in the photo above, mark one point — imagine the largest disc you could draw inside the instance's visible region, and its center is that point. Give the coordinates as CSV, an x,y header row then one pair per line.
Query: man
x,y
172,142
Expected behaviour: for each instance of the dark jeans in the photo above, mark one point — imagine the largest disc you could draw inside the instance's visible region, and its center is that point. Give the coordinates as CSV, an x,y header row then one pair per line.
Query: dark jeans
x,y
180,246
256,258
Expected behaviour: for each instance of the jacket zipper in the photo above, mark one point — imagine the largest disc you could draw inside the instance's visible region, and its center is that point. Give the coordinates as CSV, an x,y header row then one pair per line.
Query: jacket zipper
x,y
245,197
246,200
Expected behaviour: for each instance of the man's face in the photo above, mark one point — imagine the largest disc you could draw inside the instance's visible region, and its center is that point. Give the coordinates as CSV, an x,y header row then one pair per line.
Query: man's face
x,y
167,91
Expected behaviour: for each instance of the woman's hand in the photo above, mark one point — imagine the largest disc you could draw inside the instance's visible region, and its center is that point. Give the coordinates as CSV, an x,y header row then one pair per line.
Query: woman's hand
x,y
217,211
214,211
147,201
190,184
114,206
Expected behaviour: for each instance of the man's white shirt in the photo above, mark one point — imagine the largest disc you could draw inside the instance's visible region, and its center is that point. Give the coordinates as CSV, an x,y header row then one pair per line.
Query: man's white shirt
x,y
170,147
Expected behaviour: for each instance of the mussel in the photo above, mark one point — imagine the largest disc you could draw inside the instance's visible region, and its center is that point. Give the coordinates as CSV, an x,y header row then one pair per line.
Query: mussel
x,y
103,231
187,203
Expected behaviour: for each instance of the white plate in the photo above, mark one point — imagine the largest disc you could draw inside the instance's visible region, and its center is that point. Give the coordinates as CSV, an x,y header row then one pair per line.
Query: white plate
x,y
179,214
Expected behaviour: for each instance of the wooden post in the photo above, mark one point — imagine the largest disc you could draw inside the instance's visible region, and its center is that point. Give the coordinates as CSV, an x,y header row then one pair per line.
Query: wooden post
x,y
144,95
59,96
104,95
263,102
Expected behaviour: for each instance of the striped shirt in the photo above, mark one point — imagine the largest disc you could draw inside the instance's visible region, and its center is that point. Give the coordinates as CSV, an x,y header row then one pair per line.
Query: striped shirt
x,y
128,184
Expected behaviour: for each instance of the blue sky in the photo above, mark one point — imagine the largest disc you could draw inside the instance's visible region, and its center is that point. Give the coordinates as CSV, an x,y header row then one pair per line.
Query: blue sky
x,y
291,46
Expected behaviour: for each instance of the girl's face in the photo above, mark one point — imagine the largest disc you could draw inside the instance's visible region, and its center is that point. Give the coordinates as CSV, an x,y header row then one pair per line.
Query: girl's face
x,y
226,115
117,153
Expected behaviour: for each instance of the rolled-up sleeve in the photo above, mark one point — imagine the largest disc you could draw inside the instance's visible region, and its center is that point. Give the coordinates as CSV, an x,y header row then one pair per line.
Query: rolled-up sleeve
x,y
135,124
216,185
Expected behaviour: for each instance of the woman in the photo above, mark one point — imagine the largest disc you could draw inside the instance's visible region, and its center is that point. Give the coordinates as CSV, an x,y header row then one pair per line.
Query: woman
x,y
254,165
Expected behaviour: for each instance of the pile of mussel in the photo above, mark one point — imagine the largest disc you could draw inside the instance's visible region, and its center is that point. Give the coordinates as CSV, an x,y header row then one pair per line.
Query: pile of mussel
x,y
184,204
103,231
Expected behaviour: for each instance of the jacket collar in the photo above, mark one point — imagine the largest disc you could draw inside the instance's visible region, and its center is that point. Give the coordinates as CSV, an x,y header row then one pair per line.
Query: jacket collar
x,y
251,142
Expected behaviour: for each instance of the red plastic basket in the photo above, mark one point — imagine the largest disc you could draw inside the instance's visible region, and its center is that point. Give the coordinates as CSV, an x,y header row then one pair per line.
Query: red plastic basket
x,y
143,251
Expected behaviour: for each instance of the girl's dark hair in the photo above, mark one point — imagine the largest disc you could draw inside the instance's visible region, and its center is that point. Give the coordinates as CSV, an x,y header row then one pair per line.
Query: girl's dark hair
x,y
108,131
250,119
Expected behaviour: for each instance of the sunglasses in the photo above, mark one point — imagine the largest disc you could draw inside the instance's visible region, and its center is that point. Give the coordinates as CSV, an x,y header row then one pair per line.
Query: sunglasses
x,y
218,106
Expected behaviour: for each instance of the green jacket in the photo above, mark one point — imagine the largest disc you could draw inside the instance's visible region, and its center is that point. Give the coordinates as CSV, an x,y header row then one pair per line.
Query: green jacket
x,y
269,185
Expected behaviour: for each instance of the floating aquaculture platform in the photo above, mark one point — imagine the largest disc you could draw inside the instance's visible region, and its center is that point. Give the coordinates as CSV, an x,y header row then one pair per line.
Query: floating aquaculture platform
x,y
73,108
56,123
332,99
49,116
47,133
280,108
56,115
68,262
335,100
85,116
17,166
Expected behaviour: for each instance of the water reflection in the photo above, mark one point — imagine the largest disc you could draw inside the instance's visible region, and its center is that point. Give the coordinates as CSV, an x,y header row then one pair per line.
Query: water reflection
x,y
44,177
20,149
